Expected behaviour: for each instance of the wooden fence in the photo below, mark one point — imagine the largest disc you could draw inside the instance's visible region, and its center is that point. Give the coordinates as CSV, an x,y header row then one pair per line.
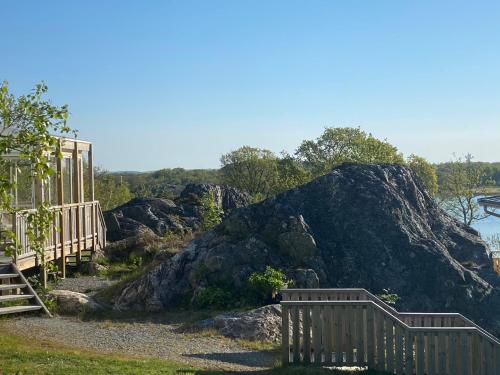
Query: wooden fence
x,y
351,327
75,228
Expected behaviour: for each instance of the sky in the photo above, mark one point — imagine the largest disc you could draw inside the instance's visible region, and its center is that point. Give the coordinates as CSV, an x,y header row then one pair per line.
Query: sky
x,y
163,84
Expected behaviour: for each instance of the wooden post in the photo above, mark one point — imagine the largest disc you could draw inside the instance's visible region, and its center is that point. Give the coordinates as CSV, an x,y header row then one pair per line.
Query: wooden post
x,y
60,202
93,211
77,199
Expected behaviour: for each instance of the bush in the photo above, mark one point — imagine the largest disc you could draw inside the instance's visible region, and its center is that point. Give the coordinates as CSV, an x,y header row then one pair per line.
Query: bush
x,y
212,214
214,298
267,284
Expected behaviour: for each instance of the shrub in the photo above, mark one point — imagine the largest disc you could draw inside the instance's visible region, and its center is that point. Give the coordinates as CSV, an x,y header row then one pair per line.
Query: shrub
x,y
388,297
212,214
267,284
215,298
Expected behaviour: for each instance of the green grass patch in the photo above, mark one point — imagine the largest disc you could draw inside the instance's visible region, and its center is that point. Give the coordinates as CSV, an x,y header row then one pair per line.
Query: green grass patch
x,y
20,356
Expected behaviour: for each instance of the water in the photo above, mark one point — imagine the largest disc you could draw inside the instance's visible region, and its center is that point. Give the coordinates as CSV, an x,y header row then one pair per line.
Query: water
x,y
487,227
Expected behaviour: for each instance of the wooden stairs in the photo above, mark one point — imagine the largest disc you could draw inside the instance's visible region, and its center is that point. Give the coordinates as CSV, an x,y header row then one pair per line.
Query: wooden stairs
x,y
16,294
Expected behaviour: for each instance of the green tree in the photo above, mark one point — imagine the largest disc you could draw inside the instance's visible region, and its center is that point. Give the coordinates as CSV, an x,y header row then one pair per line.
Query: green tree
x,y
28,124
290,173
250,169
464,181
109,189
426,171
337,145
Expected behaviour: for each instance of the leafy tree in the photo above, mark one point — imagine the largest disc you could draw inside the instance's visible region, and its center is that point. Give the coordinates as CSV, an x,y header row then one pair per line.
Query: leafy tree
x,y
109,189
28,124
337,145
426,172
212,214
250,169
290,173
464,181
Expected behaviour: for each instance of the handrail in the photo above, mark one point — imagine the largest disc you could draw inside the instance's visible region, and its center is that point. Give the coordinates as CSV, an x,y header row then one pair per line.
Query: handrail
x,y
389,309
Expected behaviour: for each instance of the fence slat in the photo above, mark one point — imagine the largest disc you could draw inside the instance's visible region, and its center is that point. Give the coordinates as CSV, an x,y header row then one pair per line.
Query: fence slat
x,y
398,349
327,340
389,337
453,342
420,354
360,333
306,334
409,356
285,336
370,337
380,341
316,324
349,333
296,334
441,353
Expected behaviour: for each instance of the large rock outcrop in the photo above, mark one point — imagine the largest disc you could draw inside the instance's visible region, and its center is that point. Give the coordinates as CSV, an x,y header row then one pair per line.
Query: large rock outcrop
x,y
158,216
370,226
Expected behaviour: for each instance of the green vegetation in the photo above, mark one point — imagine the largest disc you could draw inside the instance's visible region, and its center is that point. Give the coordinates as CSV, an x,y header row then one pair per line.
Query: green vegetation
x,y
338,145
266,285
212,214
215,298
388,297
165,183
464,181
27,125
426,171
110,191
22,356
262,173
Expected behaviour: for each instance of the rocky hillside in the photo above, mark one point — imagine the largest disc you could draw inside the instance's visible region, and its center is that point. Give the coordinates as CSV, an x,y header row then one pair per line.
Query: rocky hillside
x,y
158,216
370,226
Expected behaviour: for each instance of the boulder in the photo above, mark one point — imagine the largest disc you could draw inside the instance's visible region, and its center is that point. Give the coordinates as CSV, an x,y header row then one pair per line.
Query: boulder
x,y
145,217
262,324
69,302
361,225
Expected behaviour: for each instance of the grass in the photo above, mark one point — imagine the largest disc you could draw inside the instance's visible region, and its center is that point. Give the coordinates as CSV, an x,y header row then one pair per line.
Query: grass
x,y
22,356
26,356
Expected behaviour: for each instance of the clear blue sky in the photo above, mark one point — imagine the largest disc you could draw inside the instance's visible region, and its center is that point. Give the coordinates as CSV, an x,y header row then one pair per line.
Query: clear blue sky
x,y
163,84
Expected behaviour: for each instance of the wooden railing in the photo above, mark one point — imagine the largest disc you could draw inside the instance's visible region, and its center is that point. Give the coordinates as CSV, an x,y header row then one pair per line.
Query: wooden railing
x,y
351,327
76,227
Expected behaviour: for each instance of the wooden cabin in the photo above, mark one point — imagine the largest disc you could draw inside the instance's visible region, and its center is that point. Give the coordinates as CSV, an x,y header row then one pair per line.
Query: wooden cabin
x,y
78,224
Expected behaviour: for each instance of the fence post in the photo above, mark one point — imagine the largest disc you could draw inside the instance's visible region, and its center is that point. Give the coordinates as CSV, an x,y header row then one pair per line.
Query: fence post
x,y
285,335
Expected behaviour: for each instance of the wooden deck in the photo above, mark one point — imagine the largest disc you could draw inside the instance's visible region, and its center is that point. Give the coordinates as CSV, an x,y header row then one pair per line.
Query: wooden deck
x,y
490,204
77,227
352,327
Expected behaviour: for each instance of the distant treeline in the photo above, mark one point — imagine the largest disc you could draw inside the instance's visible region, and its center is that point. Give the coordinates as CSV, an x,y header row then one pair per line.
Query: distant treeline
x,y
491,172
169,182
262,173
165,183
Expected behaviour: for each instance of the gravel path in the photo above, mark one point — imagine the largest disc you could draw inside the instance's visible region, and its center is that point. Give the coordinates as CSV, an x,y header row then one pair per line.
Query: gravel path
x,y
83,284
143,339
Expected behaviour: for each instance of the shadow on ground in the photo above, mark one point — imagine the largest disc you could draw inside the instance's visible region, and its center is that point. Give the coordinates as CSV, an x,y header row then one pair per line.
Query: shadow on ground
x,y
250,359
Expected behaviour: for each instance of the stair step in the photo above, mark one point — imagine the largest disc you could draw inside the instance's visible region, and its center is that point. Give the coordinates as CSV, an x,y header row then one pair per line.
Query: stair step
x,y
8,275
12,286
18,309
15,297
